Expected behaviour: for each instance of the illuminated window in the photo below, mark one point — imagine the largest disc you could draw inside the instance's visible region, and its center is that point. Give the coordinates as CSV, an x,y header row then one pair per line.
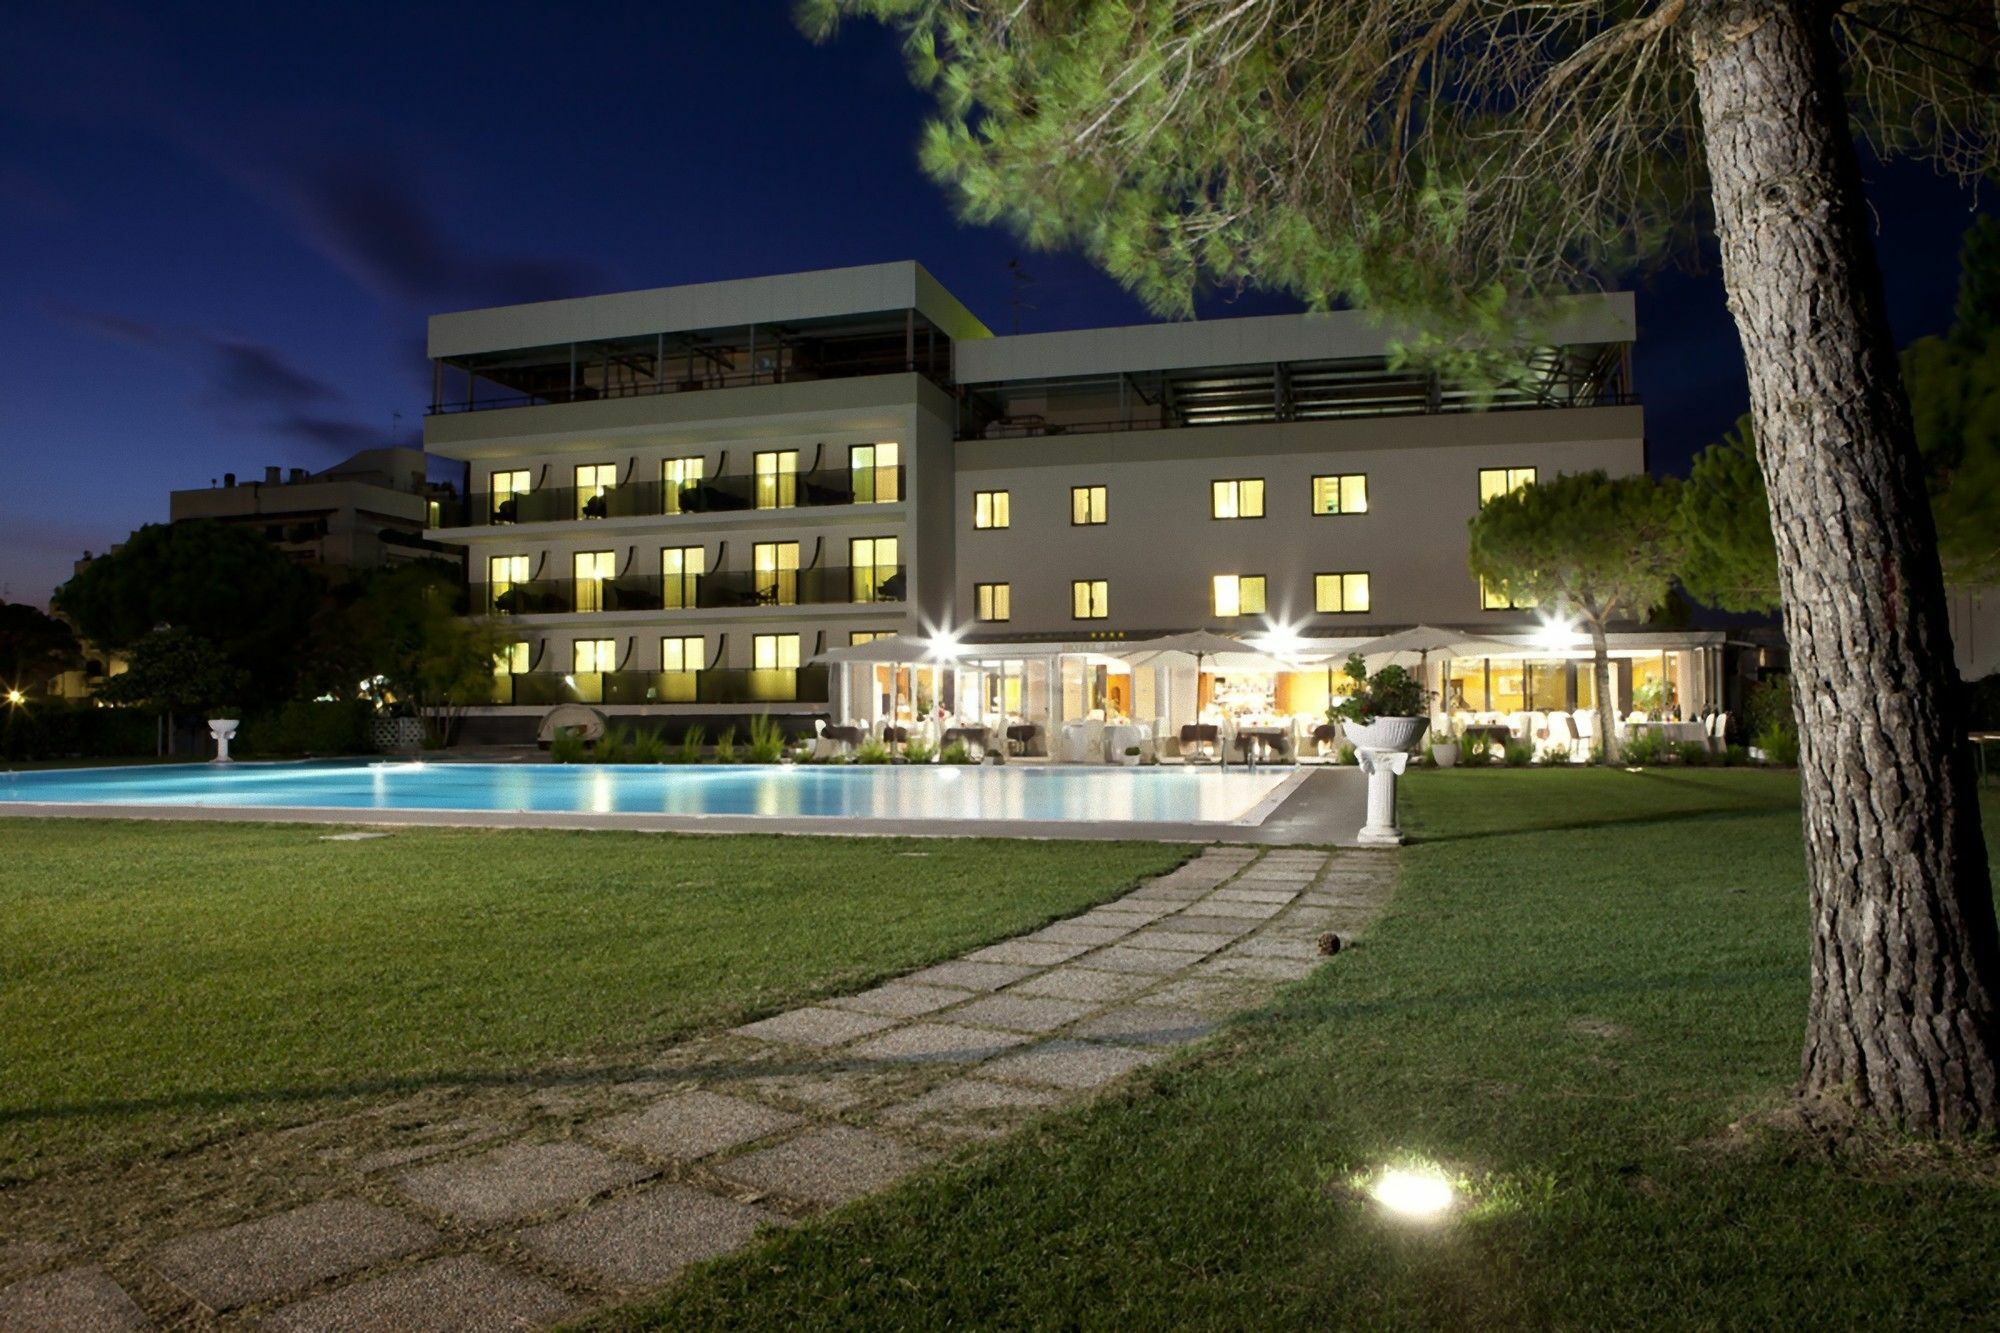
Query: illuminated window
x,y
594,569
683,652
592,655
777,474
677,475
993,601
681,568
991,509
777,566
433,514
869,635
1242,498
1238,594
1495,597
1090,599
1495,481
593,489
877,477
872,562
1087,505
511,659
774,652
505,575
1345,493
1340,594
505,492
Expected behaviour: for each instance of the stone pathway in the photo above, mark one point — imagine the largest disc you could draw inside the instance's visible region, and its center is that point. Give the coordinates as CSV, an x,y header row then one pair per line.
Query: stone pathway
x,y
542,1204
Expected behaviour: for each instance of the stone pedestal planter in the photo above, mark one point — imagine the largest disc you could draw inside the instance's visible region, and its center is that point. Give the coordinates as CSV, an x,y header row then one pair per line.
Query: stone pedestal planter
x,y
222,728
1383,748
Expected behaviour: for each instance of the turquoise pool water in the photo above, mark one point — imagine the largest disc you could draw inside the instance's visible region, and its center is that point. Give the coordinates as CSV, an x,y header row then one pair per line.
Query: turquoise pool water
x,y
1170,795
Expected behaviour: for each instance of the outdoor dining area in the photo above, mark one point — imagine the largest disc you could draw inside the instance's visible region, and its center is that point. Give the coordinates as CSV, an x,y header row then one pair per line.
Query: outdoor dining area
x,y
1203,697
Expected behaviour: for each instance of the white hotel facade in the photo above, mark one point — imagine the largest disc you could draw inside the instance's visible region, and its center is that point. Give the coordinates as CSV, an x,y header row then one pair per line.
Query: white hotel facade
x,y
674,500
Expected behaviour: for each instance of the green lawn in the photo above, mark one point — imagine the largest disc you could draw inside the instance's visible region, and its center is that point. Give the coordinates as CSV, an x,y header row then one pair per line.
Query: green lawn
x,y
162,981
1585,980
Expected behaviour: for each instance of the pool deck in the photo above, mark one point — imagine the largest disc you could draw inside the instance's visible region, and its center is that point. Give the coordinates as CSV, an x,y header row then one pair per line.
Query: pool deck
x,y
1324,807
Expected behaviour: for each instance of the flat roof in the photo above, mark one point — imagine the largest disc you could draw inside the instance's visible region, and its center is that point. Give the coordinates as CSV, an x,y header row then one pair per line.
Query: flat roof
x,y
1339,335
778,299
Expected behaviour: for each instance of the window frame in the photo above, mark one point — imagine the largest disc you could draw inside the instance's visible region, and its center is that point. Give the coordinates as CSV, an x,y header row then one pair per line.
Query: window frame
x,y
1096,499
988,598
1368,585
670,489
1089,586
1263,606
1338,479
701,652
1534,477
777,640
999,506
597,647
1236,485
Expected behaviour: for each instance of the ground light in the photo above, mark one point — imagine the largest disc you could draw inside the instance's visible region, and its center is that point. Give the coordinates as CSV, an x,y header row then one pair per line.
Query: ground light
x,y
16,698
1415,1194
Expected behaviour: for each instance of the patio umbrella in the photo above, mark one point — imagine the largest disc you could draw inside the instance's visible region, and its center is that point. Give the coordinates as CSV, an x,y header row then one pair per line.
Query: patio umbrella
x,y
1423,640
896,650
1198,644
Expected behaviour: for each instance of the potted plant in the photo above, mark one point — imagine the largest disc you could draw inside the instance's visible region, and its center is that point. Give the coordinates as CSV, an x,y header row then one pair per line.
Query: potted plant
x,y
1444,749
1385,710
1131,756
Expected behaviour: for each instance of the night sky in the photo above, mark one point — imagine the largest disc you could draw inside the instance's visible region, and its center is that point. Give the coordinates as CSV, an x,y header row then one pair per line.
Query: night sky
x,y
224,226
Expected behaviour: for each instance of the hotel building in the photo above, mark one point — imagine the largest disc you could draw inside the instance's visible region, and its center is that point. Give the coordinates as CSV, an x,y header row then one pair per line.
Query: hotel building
x,y
676,499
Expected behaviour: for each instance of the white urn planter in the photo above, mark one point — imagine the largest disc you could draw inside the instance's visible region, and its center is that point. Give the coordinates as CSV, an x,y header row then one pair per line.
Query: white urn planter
x,y
1445,754
1383,749
223,729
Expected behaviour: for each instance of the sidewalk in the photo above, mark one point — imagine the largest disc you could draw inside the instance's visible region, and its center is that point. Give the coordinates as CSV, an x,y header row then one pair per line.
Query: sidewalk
x,y
530,1204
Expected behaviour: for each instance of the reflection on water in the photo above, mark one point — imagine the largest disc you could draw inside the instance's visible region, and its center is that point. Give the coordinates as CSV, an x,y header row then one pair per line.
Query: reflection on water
x,y
1161,795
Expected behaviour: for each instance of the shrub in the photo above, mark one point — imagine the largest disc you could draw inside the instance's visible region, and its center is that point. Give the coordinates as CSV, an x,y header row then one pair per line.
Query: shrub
x,y
1692,753
1347,754
615,747
1597,754
958,752
1766,702
1519,754
1390,692
690,749
646,747
1556,754
1780,744
1644,747
51,730
871,751
725,746
919,751
1734,756
308,727
567,747
767,740
1478,749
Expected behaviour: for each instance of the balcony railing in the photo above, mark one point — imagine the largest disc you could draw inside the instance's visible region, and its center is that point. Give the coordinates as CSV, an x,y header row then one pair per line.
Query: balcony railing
x,y
823,585
652,499
720,685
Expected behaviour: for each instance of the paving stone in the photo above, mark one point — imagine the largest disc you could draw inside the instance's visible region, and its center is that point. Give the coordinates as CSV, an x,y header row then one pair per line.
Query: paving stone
x,y
1278,946
828,1166
692,1125
517,1180
898,1000
815,1027
75,1300
971,976
1068,932
1268,969
1075,1065
290,1251
1147,1025
1181,941
1279,896
1022,1013
833,1091
970,1108
642,1240
1231,926
1172,893
1123,913
464,1134
1152,962
1245,911
1080,982
1212,995
926,1043
1027,951
462,1292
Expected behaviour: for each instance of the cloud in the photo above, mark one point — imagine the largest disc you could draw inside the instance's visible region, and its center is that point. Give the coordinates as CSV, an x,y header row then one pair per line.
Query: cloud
x,y
243,381
371,221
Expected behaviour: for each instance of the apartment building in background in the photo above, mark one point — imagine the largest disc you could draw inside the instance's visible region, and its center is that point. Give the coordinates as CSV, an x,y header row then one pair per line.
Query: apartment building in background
x,y
675,499
371,509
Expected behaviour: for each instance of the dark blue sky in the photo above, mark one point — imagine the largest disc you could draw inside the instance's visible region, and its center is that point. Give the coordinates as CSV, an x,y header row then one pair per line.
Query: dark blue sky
x,y
224,225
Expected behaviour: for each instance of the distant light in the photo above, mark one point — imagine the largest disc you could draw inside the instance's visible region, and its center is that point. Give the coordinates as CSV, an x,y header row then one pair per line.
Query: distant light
x,y
16,697
1420,1195
945,646
1557,635
1281,640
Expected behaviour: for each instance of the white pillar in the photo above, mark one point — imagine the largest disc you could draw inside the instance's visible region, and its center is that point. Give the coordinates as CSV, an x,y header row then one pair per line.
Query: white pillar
x,y
1383,767
222,729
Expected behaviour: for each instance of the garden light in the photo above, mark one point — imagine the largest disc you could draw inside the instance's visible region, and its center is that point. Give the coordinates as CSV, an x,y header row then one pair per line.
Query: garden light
x,y
1418,1195
16,698
1557,634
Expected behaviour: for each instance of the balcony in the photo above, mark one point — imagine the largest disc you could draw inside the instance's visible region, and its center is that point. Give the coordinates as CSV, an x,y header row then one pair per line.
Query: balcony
x,y
825,585
653,499
719,685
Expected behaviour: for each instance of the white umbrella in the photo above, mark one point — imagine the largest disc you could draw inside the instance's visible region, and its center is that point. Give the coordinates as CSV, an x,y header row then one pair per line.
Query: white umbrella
x,y
895,650
1198,644
1420,641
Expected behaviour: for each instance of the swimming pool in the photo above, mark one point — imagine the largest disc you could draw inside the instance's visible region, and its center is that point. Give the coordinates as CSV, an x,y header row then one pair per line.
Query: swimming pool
x,y
901,792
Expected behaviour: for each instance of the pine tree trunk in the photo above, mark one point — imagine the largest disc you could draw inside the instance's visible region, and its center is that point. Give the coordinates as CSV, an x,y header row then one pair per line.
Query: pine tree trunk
x,y
1600,675
1905,955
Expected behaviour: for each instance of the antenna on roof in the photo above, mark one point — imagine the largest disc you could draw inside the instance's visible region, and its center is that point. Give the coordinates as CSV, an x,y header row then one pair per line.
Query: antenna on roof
x,y
1018,301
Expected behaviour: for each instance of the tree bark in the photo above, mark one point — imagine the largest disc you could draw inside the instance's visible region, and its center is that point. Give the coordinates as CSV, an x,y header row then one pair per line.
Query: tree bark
x,y
1905,954
1600,675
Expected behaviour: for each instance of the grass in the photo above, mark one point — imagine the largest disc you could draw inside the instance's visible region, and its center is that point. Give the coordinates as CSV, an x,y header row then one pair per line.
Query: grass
x,y
1583,1002
162,982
